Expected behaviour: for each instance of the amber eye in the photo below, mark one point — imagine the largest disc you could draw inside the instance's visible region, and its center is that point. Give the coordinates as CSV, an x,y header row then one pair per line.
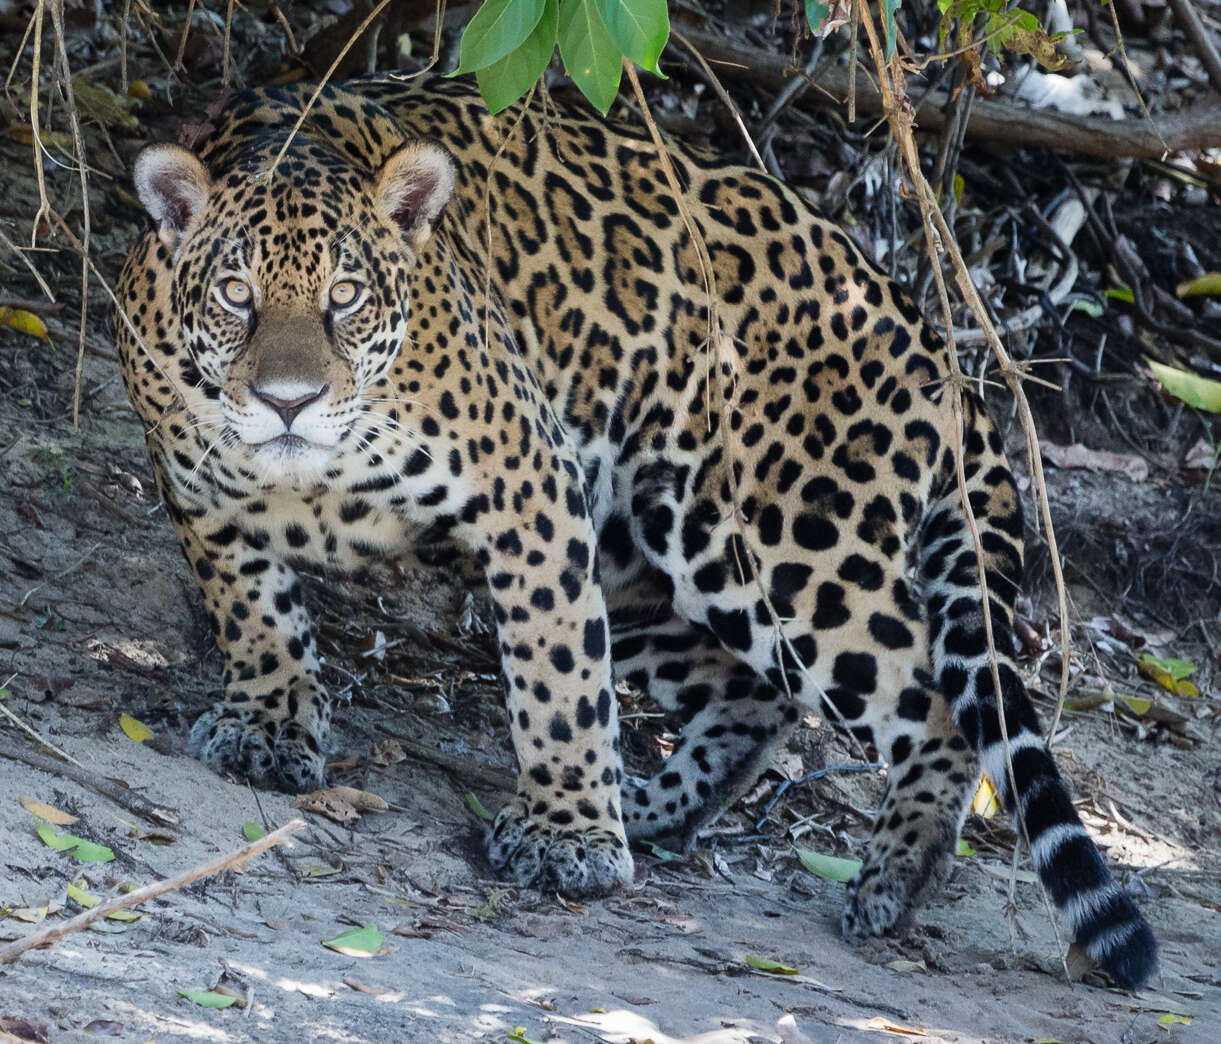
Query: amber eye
x,y
237,292
344,292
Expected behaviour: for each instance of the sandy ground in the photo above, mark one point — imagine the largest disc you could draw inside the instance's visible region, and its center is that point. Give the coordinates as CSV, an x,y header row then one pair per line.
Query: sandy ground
x,y
98,617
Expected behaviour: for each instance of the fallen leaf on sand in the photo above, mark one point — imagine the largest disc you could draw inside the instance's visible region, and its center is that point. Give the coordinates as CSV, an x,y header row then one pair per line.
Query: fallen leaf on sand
x,y
1079,456
341,804
49,813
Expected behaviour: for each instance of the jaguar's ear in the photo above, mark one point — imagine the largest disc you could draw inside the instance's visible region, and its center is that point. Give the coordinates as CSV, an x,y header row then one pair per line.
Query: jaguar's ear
x,y
173,185
413,185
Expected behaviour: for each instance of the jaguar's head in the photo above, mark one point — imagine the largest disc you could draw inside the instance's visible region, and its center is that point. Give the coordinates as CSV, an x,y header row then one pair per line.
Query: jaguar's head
x,y
290,290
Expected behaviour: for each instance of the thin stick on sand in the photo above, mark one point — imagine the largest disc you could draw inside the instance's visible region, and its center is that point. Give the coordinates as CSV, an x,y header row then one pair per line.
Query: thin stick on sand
x,y
141,895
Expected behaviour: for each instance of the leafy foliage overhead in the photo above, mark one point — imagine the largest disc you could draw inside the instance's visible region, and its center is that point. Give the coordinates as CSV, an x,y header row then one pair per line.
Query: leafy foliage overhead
x,y
508,44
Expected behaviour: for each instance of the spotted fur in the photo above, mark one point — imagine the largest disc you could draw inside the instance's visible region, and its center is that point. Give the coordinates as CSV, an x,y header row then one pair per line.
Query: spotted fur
x,y
332,366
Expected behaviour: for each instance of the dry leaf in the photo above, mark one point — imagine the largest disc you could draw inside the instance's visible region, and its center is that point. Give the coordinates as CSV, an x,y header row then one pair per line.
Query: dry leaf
x,y
23,322
1079,456
1201,456
985,803
884,1025
387,752
47,812
341,804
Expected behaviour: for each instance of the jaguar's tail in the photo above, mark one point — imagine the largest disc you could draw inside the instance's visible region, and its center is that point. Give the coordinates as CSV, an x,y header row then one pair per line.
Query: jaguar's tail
x,y
1104,920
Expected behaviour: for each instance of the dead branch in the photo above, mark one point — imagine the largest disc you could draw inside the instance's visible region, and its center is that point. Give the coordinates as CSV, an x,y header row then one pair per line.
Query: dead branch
x,y
142,895
996,121
489,776
31,304
1201,42
101,786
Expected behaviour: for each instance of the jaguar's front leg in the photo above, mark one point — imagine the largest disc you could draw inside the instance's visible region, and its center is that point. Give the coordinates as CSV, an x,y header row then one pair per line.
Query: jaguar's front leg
x,y
564,831
274,722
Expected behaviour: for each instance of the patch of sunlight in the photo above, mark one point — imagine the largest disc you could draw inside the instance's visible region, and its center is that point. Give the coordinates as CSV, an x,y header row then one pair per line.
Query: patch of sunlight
x,y
310,989
161,1022
622,1026
141,653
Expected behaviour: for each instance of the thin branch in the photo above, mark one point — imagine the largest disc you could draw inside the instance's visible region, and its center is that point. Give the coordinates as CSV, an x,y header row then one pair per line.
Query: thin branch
x,y
51,933
318,90
724,96
73,770
1201,41
1003,122
901,118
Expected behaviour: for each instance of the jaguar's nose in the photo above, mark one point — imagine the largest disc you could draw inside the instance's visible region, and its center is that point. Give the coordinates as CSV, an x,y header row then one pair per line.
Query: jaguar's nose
x,y
287,409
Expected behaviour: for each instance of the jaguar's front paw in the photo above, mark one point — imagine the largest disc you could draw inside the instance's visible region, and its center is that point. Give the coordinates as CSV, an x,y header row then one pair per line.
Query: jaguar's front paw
x,y
574,862
876,904
268,749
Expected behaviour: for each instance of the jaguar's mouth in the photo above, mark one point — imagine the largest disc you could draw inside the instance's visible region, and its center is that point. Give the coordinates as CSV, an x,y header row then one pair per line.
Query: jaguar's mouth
x,y
291,460
287,445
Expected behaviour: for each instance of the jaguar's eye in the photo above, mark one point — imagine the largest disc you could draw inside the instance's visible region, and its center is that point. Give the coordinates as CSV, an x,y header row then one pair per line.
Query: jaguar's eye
x,y
344,292
237,292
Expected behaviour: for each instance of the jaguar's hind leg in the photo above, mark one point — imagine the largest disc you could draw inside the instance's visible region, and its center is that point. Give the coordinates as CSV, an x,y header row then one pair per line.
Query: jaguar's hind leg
x,y
732,719
928,784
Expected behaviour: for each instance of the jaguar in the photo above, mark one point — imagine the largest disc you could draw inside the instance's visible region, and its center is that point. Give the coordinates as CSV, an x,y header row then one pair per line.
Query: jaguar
x,y
709,449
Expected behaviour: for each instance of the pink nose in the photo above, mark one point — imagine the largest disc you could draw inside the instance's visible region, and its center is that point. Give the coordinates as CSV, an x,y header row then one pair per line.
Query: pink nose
x,y
287,409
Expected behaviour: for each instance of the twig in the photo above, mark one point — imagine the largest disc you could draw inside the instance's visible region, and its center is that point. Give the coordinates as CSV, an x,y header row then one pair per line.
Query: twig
x,y
486,775
720,369
30,730
725,99
58,576
1189,22
20,252
78,144
73,770
793,87
151,891
1127,68
225,63
44,204
990,120
305,111
853,49
178,67
28,304
937,232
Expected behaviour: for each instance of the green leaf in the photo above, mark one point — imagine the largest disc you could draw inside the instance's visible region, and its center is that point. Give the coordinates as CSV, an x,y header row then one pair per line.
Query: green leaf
x,y
640,29
590,55
84,898
831,867
357,942
655,850
1193,389
1088,305
768,965
134,729
476,806
518,1036
208,999
1209,283
79,849
504,82
816,13
1177,669
889,7
964,849
498,28
252,832
1121,293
